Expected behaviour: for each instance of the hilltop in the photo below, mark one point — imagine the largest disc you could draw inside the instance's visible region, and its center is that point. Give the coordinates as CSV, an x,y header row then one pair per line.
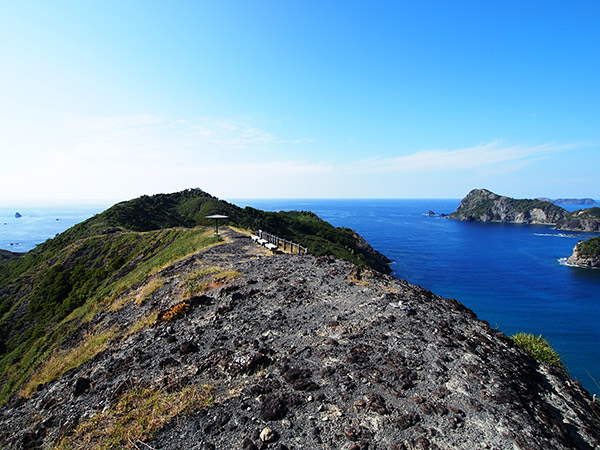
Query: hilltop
x,y
48,292
482,205
141,329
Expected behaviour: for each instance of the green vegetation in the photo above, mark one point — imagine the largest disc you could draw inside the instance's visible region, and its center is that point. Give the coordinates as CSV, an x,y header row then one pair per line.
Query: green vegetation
x,y
590,248
69,286
95,266
63,360
136,416
538,348
588,213
480,203
6,256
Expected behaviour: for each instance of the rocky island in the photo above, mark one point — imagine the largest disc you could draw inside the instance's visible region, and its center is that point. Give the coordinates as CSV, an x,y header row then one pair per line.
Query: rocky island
x,y
586,254
482,205
570,201
140,329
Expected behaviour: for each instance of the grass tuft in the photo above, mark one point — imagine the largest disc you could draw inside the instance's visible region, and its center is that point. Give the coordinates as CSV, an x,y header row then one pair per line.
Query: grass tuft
x,y
538,348
136,416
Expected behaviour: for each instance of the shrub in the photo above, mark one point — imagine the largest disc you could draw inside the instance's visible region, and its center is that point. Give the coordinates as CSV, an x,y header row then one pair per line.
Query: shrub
x,y
538,348
176,311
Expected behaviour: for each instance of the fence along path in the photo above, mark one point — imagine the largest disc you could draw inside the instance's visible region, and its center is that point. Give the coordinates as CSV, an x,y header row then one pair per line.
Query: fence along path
x,y
272,242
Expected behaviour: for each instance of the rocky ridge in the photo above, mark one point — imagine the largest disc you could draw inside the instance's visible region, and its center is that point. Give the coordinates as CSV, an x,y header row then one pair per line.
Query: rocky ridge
x,y
303,352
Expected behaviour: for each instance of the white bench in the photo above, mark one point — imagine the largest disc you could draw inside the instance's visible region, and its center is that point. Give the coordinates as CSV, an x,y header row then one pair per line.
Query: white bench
x,y
271,246
262,241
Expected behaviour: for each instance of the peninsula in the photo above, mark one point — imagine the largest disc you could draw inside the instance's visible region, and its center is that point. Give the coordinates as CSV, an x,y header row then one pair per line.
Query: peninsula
x,y
139,328
482,205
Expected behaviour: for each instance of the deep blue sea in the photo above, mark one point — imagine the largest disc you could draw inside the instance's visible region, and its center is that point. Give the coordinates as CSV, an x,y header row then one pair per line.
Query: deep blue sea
x,y
39,223
508,274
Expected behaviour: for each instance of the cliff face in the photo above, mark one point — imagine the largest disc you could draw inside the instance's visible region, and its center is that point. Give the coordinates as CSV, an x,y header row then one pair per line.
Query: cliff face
x,y
586,254
482,205
232,347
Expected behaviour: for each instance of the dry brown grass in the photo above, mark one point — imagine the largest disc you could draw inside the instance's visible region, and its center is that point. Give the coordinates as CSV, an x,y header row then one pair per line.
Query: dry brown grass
x,y
136,416
63,360
144,322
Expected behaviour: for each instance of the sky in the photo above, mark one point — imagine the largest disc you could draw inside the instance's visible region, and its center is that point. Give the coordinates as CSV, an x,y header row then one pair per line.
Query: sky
x,y
109,100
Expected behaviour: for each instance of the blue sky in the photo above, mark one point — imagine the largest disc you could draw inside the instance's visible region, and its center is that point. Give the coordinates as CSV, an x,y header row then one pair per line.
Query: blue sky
x,y
108,100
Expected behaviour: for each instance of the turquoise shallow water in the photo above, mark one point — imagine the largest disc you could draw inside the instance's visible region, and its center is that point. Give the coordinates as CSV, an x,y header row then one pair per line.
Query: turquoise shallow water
x,y
508,274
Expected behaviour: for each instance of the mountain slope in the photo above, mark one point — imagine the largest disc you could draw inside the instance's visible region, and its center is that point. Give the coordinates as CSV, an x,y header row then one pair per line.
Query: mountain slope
x,y
48,292
232,347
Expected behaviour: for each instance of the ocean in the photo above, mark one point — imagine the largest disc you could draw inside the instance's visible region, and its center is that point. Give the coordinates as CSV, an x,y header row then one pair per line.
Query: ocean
x,y
510,275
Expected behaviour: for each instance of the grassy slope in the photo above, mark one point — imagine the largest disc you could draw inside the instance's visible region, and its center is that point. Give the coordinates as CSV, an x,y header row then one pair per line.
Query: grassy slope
x,y
45,303
50,291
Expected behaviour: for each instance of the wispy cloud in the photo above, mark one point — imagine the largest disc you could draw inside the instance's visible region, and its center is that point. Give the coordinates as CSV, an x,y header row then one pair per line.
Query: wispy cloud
x,y
484,155
147,132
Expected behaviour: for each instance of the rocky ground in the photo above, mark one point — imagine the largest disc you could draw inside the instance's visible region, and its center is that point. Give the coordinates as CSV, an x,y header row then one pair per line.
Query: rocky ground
x,y
305,352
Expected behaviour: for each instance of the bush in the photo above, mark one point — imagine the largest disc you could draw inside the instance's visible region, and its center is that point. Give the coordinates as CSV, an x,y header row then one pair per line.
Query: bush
x,y
538,348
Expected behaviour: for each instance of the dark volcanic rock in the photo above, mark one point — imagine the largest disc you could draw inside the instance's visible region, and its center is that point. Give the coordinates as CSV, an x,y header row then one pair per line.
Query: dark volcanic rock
x,y
325,357
81,386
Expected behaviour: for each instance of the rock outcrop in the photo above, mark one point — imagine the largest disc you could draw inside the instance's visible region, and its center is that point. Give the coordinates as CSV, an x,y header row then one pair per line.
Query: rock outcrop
x,y
292,352
586,254
481,205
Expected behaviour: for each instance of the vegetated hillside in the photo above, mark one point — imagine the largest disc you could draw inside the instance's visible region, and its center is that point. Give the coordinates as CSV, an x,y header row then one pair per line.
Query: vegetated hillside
x,y
189,208
591,247
47,293
583,219
482,205
6,256
233,347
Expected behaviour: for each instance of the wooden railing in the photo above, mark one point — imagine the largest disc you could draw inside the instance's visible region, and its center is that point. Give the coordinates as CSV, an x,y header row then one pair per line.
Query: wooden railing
x,y
276,242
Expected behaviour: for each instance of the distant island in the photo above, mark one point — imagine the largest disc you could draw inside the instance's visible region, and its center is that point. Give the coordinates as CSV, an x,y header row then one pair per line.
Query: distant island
x,y
482,205
570,201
